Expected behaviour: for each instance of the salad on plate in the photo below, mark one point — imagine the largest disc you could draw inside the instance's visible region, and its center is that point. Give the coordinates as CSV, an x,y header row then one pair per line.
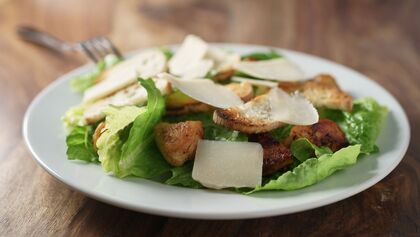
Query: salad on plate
x,y
207,117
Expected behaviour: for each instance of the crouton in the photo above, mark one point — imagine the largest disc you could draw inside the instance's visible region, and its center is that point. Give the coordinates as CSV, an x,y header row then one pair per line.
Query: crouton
x,y
251,117
322,91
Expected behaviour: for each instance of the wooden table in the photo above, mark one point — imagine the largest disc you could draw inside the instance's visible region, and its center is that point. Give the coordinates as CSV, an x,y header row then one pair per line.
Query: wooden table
x,y
378,38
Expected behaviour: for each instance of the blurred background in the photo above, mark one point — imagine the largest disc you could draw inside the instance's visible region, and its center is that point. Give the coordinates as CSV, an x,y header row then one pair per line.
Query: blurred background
x,y
379,38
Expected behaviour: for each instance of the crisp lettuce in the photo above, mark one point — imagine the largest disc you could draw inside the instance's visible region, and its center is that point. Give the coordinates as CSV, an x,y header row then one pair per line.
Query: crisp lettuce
x,y
127,146
312,170
182,176
117,122
281,133
262,55
302,149
167,52
362,125
139,154
80,145
86,80
74,117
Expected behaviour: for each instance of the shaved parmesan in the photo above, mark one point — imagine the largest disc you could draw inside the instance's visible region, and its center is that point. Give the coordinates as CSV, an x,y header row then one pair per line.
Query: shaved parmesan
x,y
223,60
255,82
192,50
222,164
294,109
278,69
205,91
198,69
145,64
132,95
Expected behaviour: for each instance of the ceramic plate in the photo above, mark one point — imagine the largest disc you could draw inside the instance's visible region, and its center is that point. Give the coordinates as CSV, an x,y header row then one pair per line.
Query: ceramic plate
x,y
45,136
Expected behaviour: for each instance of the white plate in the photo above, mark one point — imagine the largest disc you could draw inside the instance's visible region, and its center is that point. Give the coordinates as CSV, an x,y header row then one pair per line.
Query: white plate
x,y
45,137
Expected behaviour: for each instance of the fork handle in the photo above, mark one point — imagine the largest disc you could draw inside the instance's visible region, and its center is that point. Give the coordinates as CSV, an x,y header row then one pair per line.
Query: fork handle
x,y
44,39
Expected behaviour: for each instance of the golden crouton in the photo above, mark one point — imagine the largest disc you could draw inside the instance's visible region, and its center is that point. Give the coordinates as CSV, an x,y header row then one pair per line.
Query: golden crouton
x,y
249,118
178,142
322,91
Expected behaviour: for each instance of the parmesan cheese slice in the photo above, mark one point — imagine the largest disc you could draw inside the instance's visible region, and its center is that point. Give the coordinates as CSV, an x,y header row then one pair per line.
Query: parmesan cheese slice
x,y
204,90
267,112
222,164
198,69
278,69
292,109
132,95
192,50
223,60
255,82
145,64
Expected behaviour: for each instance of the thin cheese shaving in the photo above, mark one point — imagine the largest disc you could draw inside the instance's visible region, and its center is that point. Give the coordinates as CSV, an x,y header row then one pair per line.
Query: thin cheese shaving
x,y
278,69
204,90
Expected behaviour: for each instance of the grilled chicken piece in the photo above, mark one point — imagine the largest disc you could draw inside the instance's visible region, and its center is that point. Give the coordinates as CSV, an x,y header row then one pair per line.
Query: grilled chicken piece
x,y
322,91
276,155
98,132
178,142
251,117
324,133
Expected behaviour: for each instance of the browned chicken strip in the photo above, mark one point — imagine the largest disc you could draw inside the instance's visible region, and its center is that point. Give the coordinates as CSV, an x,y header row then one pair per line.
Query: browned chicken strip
x,y
178,142
322,91
324,133
276,155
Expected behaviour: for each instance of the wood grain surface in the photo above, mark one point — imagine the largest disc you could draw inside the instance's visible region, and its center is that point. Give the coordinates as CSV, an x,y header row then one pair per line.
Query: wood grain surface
x,y
380,38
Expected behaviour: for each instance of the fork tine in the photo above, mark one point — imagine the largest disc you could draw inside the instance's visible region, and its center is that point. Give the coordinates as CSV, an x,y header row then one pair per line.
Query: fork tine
x,y
99,48
108,43
87,49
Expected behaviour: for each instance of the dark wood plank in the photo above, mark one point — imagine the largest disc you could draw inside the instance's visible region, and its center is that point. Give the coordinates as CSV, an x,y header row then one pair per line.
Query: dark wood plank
x,y
378,38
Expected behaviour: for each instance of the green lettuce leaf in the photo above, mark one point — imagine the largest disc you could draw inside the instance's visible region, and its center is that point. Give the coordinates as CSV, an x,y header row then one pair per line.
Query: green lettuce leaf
x,y
74,117
262,55
182,176
362,125
80,145
281,133
302,149
139,155
86,80
313,170
212,131
117,125
167,52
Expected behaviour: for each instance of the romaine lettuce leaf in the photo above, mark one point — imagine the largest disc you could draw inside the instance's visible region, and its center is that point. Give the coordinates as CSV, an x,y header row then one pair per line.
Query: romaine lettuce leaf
x,y
362,125
302,149
86,80
80,145
262,55
182,176
139,155
109,144
74,117
313,170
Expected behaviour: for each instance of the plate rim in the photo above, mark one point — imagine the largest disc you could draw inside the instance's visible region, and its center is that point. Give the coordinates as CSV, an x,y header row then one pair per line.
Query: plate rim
x,y
217,216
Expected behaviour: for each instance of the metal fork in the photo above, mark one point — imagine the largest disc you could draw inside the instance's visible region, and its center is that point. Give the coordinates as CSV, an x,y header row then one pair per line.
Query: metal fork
x,y
96,48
